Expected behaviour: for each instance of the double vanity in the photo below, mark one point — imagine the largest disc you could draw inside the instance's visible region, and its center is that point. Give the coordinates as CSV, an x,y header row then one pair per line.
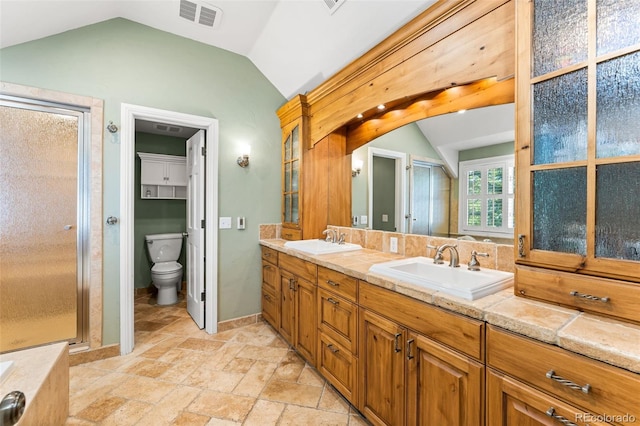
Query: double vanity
x,y
407,341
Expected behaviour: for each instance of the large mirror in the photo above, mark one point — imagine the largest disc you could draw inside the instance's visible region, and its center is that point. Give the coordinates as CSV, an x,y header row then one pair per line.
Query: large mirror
x,y
408,179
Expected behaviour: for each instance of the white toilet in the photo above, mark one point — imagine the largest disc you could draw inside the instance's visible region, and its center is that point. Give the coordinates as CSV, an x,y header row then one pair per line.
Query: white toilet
x,y
166,272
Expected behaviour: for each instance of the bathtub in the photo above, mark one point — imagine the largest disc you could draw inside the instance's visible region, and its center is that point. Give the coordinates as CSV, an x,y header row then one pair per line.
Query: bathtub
x,y
42,374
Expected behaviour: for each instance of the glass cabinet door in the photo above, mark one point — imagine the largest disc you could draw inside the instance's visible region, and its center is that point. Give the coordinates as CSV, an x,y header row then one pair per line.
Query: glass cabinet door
x,y
291,176
578,141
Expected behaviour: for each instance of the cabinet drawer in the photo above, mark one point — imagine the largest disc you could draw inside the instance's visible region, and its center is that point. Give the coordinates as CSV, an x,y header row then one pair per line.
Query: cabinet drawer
x,y
298,267
338,318
291,234
338,366
621,298
456,331
269,275
513,402
270,307
610,390
337,282
270,255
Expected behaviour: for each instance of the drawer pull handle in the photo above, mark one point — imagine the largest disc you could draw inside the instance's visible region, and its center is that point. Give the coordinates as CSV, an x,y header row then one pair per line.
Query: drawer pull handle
x,y
551,412
397,345
332,283
589,297
552,375
409,354
267,254
333,349
267,297
332,301
292,284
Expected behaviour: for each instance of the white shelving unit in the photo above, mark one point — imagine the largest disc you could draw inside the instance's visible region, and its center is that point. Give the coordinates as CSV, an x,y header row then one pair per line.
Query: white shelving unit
x,y
163,177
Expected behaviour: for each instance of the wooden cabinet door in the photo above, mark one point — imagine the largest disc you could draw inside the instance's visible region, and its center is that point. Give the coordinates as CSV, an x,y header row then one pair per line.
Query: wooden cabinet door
x,y
286,326
305,319
382,386
512,403
443,387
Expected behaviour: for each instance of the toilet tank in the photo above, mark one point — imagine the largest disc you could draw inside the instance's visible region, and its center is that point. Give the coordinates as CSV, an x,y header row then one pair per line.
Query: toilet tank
x,y
164,247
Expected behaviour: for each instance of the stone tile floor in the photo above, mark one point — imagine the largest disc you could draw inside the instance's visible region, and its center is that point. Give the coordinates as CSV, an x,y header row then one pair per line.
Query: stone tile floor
x,y
180,375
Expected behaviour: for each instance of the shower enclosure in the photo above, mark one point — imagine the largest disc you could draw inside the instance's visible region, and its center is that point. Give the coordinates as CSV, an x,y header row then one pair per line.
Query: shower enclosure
x,y
430,191
44,158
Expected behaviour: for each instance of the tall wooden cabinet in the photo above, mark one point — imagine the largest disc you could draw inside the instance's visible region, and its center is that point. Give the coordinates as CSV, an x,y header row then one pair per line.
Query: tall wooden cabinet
x,y
298,305
578,155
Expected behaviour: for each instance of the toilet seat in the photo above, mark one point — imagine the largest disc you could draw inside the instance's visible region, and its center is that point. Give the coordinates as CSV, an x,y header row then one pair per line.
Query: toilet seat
x,y
163,268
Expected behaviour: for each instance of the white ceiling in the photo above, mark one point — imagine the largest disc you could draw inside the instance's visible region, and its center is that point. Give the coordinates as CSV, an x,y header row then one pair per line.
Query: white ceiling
x,y
296,44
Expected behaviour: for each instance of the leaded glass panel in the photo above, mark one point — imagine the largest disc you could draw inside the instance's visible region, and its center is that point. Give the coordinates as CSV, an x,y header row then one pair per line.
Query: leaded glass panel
x,y
560,118
560,210
618,106
618,24
618,211
559,34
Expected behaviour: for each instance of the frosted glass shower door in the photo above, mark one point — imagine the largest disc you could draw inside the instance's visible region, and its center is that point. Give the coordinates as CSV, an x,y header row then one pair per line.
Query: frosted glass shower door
x,y
39,238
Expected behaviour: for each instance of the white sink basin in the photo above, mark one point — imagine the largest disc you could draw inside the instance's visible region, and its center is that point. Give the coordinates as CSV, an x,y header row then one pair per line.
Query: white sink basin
x,y
321,246
461,282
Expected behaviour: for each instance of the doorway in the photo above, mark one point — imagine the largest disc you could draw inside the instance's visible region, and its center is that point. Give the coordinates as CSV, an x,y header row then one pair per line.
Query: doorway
x,y
129,115
391,173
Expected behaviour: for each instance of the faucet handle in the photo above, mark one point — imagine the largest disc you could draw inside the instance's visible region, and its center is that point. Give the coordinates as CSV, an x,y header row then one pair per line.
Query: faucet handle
x,y
342,237
473,264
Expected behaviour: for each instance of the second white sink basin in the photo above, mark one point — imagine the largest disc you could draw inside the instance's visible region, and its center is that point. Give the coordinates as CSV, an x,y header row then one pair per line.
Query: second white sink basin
x,y
321,246
461,282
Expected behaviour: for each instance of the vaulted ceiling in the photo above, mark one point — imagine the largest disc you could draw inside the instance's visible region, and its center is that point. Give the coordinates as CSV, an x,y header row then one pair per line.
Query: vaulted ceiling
x,y
296,44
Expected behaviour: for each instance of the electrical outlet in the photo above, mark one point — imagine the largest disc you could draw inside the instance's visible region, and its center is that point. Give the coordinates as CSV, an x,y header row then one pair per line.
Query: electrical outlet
x,y
354,221
393,244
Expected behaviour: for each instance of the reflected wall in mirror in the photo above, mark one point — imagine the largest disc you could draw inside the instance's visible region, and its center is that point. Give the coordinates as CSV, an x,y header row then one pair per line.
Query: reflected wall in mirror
x,y
409,177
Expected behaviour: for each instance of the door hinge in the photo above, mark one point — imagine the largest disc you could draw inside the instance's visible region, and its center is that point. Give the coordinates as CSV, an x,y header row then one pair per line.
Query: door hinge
x,y
202,224
204,151
202,296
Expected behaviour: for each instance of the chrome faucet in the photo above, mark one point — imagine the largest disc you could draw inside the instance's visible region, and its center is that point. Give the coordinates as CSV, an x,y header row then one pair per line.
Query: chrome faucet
x,y
342,237
453,253
473,264
330,235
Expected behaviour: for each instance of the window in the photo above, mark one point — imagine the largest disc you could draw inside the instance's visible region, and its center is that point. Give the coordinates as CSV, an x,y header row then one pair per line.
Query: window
x,y
486,196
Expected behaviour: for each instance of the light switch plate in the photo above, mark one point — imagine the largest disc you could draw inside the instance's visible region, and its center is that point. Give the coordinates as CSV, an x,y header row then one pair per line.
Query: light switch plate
x,y
363,220
225,223
385,218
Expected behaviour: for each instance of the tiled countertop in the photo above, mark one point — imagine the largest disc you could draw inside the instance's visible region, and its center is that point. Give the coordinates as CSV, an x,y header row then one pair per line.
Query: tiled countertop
x,y
608,340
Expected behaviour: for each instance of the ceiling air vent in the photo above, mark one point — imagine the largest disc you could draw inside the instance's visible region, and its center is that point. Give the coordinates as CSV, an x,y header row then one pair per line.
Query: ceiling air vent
x,y
202,13
333,5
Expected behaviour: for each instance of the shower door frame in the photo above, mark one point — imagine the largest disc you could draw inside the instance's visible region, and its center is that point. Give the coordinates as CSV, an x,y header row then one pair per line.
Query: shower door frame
x,y
83,197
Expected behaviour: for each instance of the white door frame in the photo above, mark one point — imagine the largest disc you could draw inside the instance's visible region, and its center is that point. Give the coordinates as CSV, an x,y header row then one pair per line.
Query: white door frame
x,y
129,114
401,185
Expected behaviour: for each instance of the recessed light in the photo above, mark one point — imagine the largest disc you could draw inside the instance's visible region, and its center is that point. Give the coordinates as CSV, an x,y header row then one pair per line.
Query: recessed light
x,y
462,111
359,116
381,107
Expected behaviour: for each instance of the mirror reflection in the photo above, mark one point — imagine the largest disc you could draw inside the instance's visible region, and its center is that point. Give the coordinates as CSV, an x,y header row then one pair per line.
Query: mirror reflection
x,y
408,180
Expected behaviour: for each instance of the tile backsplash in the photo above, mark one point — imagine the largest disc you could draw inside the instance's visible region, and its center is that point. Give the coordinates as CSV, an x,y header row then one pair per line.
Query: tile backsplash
x,y
501,256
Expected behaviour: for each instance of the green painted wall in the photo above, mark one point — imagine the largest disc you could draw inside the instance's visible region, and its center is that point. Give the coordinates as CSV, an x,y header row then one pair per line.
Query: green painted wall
x,y
120,61
506,148
408,139
155,216
384,193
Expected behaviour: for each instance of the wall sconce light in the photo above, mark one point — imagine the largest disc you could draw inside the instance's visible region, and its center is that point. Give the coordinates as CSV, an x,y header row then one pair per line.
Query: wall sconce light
x,y
243,160
356,167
